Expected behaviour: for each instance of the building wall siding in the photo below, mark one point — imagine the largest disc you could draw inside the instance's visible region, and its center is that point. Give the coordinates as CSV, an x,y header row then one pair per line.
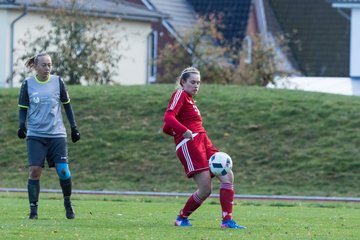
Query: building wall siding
x,y
133,46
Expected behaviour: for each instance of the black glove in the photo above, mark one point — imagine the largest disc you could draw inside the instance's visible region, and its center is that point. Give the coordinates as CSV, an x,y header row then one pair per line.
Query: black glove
x,y
75,135
22,132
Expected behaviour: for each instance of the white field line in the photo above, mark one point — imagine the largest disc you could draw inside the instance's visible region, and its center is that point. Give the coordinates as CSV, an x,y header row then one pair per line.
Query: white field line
x,y
177,194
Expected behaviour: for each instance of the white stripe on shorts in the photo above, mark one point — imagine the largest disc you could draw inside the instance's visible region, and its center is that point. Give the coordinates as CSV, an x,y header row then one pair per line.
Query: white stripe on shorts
x,y
184,141
187,158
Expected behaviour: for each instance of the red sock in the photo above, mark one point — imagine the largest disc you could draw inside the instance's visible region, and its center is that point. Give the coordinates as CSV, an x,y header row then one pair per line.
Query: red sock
x,y
191,205
226,200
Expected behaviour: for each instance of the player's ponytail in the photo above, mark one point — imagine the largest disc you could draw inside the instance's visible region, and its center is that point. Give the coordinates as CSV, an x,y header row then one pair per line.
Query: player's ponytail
x,y
31,62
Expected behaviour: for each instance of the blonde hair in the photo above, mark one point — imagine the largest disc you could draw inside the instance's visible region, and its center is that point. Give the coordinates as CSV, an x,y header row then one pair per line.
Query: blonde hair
x,y
31,62
185,74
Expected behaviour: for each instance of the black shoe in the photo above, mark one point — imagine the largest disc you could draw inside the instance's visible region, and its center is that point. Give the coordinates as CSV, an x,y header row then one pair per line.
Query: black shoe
x,y
33,211
70,214
33,216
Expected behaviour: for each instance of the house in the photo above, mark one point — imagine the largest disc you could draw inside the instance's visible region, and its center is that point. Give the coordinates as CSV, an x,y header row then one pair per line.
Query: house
x,y
354,22
179,18
319,31
329,38
182,16
319,36
19,16
322,37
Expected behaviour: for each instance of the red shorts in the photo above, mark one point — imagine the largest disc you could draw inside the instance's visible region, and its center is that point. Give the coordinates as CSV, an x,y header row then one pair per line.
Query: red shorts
x,y
194,155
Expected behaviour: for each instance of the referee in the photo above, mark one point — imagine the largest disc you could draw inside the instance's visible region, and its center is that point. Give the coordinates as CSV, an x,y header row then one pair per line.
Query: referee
x,y
41,123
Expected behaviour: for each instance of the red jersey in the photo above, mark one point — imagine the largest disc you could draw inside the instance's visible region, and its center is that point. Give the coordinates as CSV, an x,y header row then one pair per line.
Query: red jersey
x,y
181,115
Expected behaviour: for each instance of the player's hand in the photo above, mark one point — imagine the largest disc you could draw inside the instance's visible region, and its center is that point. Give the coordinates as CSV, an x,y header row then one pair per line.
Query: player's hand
x,y
188,134
75,135
22,132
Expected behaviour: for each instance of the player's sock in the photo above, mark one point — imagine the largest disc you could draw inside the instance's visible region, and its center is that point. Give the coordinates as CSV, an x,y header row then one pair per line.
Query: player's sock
x,y
33,194
191,205
66,186
33,191
226,200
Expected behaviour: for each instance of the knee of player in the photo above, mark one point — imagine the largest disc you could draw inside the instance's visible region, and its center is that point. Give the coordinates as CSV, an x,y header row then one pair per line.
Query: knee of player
x,y
205,191
228,178
63,171
208,192
35,172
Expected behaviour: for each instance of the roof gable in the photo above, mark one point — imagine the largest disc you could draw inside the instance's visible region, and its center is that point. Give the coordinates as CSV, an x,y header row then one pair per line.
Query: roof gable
x,y
181,15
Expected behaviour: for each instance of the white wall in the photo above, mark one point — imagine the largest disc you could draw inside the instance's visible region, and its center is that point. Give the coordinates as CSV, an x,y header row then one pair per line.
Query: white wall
x,y
25,27
5,29
334,85
355,43
133,65
132,68
20,28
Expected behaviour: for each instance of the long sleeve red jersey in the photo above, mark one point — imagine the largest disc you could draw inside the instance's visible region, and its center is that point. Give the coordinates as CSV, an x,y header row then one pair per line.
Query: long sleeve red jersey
x,y
182,114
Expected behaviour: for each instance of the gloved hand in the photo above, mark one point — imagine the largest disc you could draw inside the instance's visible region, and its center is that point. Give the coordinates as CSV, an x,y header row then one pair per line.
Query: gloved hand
x,y
75,135
22,132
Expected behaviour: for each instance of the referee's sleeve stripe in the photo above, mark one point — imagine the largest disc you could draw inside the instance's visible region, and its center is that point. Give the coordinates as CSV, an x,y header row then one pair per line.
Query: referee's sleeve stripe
x,y
22,106
66,102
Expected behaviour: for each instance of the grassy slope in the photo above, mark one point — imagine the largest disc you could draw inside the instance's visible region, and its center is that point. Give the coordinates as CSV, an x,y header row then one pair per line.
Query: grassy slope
x,y
281,142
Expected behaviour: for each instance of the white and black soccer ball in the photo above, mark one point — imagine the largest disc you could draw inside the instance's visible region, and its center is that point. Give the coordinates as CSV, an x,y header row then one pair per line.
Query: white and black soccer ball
x,y
220,164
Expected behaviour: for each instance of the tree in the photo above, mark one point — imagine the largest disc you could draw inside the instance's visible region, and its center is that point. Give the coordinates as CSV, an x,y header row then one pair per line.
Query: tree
x,y
206,53
79,46
265,64
221,61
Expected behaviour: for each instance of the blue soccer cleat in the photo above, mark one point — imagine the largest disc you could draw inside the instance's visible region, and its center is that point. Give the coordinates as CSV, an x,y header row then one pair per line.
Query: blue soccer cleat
x,y
231,224
182,222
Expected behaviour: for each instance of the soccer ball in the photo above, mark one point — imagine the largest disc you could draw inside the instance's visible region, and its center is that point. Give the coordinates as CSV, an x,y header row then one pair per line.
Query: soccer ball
x,y
220,164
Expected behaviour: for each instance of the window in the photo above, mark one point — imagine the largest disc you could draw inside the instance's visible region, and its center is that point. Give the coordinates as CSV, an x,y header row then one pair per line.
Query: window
x,y
152,56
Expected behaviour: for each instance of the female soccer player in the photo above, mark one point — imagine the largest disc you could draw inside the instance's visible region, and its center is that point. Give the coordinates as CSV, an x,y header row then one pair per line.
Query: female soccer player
x,y
182,120
41,123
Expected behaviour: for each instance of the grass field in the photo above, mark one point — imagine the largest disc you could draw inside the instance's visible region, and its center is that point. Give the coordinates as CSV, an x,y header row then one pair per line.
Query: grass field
x,y
117,217
282,142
